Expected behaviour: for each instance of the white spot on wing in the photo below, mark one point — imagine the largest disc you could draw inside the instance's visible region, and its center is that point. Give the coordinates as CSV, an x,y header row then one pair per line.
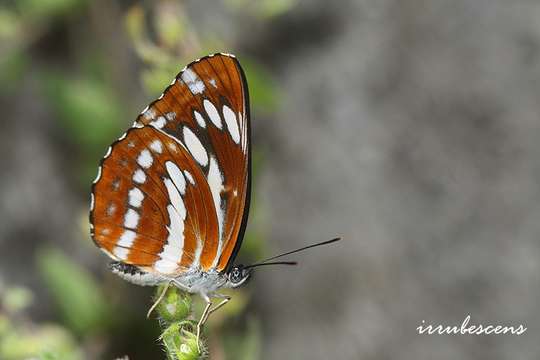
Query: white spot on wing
x,y
115,184
173,147
170,115
91,201
121,253
149,114
197,255
215,181
145,159
122,247
139,176
156,146
171,254
177,222
213,83
98,175
165,266
232,125
193,82
109,149
135,197
243,125
175,199
189,177
111,209
176,176
159,122
212,113
127,238
195,147
131,220
199,119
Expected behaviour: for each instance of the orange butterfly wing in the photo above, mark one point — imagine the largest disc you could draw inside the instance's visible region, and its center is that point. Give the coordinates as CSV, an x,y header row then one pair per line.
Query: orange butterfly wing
x,y
194,200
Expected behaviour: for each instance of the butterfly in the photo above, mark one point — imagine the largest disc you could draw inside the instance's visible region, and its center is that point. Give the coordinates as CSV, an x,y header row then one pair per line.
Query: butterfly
x,y
171,199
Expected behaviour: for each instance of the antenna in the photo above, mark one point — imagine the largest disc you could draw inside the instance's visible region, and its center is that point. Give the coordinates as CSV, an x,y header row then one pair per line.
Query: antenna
x,y
272,263
266,261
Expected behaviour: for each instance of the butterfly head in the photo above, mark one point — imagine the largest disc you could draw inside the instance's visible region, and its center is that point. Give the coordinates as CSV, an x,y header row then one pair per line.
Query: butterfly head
x,y
237,275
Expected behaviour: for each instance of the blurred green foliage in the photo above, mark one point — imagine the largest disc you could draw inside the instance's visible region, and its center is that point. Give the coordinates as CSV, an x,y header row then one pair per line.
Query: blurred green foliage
x,y
17,299
47,342
12,67
9,24
20,339
177,42
245,345
263,9
262,88
79,299
88,110
47,9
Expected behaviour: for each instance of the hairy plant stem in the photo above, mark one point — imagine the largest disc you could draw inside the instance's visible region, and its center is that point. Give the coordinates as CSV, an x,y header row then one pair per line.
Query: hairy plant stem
x,y
178,329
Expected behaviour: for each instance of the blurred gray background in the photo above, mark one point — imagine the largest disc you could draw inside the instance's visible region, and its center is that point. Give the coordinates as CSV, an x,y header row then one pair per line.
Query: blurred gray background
x,y
409,128
412,129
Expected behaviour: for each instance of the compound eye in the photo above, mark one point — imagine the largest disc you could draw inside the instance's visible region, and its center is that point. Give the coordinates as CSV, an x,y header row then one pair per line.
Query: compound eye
x,y
236,275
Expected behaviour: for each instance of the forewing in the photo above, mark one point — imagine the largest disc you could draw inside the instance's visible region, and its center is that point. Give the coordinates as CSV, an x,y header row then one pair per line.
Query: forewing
x,y
206,108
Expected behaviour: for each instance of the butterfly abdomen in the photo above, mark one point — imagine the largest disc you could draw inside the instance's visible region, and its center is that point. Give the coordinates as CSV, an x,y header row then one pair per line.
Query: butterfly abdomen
x,y
134,274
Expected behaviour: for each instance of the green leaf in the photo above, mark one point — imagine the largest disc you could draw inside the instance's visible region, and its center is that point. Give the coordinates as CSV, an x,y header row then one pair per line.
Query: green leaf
x,y
78,297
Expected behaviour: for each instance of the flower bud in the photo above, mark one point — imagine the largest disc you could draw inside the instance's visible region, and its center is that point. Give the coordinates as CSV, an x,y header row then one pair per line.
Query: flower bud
x,y
181,342
175,305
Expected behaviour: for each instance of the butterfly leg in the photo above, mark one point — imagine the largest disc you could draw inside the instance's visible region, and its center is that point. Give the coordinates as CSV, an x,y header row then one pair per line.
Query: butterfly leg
x,y
161,296
203,319
209,310
225,300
